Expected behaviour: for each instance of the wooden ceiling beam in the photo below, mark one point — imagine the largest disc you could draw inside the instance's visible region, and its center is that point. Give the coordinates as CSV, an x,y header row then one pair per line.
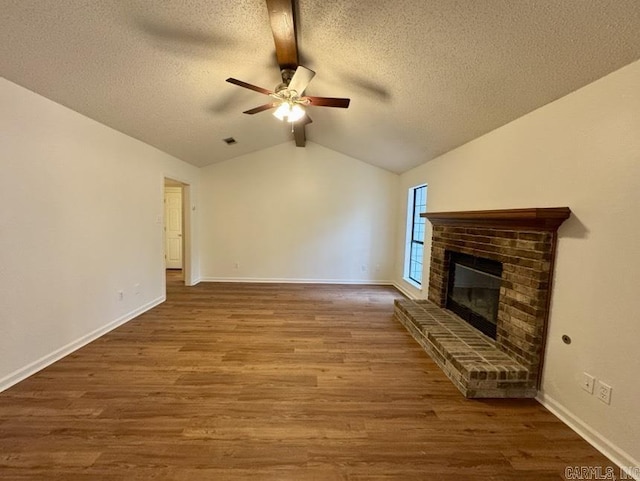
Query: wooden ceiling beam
x,y
283,27
299,134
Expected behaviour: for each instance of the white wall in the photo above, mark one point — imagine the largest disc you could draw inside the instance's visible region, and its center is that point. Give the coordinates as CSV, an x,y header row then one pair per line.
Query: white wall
x,y
582,151
79,205
293,214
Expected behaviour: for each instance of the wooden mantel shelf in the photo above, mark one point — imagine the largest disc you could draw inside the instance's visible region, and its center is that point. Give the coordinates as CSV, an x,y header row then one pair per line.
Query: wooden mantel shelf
x,y
537,218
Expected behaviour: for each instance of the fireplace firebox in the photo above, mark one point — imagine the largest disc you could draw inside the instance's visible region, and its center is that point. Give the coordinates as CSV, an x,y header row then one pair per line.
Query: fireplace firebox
x,y
474,290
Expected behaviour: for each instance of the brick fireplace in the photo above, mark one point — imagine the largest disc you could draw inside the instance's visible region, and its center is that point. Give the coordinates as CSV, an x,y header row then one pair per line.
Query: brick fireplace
x,y
524,242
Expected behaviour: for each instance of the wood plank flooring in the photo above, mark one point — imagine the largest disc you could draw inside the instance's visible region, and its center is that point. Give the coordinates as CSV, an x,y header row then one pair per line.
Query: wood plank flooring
x,y
270,382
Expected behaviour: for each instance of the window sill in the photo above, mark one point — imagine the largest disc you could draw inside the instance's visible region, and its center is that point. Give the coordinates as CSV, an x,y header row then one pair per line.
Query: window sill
x,y
412,283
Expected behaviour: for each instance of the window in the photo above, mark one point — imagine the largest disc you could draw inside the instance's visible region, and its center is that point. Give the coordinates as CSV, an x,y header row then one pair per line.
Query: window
x,y
415,234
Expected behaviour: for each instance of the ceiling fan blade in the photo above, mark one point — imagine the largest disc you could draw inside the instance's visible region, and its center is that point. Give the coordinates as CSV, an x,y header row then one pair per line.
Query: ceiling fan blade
x,y
301,79
327,102
240,83
284,32
261,108
299,134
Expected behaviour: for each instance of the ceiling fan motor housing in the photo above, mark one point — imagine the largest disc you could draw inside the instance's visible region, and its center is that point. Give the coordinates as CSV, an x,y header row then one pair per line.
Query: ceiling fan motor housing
x,y
287,75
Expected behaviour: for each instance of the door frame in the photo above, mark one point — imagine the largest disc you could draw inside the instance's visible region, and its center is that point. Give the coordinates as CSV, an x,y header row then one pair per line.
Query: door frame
x,y
187,270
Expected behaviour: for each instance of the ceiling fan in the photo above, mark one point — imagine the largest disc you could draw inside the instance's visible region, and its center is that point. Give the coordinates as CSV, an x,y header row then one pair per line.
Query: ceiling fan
x,y
288,97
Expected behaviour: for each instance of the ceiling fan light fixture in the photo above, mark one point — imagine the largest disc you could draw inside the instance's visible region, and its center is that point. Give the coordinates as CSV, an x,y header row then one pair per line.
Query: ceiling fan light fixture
x,y
292,112
283,111
297,112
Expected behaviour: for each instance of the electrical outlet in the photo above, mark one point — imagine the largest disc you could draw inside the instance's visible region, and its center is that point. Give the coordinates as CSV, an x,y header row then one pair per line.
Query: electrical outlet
x,y
588,382
136,289
604,392
236,265
120,295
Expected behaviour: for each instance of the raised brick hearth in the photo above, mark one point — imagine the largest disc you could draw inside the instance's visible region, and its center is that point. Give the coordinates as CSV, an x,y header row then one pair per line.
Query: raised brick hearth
x,y
524,241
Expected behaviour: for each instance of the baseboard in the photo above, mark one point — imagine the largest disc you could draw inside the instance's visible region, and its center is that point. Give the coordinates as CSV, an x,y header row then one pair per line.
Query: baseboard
x,y
285,280
32,368
602,444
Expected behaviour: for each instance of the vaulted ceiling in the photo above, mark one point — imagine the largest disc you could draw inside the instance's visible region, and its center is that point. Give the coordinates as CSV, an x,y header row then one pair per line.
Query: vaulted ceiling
x,y
424,76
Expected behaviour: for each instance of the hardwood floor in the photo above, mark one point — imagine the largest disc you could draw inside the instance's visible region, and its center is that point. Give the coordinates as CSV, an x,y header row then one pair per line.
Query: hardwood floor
x,y
270,382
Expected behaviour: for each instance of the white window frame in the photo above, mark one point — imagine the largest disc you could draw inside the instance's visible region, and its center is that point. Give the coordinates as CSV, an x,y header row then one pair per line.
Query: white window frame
x,y
412,243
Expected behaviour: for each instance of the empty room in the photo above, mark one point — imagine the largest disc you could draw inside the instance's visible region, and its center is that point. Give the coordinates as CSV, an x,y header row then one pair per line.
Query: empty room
x,y
328,241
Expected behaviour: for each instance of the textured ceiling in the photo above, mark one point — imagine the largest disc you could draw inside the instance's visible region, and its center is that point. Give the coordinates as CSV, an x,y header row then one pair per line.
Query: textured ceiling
x,y
424,76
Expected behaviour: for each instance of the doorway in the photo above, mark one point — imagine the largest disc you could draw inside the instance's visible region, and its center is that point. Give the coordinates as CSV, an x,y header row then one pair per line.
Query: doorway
x,y
176,232
173,227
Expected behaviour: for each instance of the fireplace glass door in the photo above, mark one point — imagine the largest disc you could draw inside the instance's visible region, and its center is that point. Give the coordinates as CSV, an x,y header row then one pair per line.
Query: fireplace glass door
x,y
474,291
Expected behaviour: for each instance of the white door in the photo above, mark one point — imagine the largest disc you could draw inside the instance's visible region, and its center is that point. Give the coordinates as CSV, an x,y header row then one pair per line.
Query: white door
x,y
173,227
